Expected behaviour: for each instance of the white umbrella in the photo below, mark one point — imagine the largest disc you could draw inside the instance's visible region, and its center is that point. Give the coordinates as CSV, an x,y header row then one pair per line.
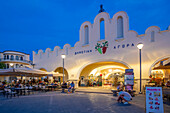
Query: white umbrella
x,y
23,71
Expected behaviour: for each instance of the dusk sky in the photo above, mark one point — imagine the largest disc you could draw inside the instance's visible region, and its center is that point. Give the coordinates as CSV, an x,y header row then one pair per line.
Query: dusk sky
x,y
30,25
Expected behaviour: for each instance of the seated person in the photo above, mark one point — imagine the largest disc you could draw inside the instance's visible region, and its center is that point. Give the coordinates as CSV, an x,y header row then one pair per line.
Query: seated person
x,y
69,88
52,83
168,84
124,96
2,87
64,85
72,86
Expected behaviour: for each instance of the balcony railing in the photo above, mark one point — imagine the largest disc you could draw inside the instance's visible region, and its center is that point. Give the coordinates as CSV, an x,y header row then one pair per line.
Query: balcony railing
x,y
15,60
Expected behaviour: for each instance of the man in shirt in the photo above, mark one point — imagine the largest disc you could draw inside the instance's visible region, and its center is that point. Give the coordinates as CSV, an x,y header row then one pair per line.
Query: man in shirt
x,y
124,96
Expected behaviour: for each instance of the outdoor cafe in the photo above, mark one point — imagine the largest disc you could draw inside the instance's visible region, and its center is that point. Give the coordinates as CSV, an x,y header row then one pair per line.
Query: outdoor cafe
x,y
31,81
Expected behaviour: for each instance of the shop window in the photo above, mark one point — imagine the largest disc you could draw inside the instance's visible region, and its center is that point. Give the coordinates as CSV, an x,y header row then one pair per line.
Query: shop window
x,y
102,29
12,57
152,36
86,41
119,27
17,57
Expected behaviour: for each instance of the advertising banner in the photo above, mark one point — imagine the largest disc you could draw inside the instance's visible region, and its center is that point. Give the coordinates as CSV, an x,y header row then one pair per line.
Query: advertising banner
x,y
129,77
154,102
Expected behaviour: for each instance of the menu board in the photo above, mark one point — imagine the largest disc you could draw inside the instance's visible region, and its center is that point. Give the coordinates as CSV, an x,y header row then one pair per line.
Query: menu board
x,y
154,102
129,77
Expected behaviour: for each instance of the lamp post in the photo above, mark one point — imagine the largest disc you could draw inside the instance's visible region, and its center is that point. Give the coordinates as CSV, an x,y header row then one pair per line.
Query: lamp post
x,y
140,46
12,65
63,56
33,68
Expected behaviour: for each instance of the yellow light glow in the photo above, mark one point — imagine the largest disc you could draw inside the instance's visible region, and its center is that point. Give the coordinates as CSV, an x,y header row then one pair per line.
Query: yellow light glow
x,y
11,64
110,70
93,72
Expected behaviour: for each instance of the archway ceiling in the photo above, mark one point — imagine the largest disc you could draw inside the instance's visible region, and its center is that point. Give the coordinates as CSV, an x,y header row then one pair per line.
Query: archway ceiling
x,y
102,66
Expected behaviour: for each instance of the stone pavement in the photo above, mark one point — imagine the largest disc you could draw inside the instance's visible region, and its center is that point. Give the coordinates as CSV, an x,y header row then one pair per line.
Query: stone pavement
x,y
78,102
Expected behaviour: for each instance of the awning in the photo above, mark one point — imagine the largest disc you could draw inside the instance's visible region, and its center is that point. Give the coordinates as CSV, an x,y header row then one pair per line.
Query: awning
x,y
23,72
27,72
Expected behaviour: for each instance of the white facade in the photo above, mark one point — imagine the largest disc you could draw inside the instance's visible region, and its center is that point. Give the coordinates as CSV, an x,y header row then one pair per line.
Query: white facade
x,y
122,48
17,59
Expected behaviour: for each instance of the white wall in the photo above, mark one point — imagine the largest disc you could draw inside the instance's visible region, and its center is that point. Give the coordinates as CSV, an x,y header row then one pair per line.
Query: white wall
x,y
130,55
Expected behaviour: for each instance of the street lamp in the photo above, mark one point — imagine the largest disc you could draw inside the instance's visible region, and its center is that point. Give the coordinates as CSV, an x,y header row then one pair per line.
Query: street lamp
x,y
12,65
63,56
140,46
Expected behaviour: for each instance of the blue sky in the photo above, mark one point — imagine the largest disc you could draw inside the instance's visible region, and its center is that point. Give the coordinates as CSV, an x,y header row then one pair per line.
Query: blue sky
x,y
30,25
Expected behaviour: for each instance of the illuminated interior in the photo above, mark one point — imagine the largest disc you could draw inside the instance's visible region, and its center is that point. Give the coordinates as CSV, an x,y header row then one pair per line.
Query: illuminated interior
x,y
160,72
103,74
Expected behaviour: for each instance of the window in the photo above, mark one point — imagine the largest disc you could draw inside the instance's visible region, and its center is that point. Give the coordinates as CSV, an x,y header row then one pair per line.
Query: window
x,y
40,55
7,66
48,53
86,41
17,65
66,50
56,52
102,29
21,58
4,57
119,27
7,57
12,57
17,57
152,36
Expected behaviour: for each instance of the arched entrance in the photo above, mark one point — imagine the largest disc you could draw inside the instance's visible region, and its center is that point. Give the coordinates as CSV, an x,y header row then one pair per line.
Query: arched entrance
x,y
59,76
103,73
160,71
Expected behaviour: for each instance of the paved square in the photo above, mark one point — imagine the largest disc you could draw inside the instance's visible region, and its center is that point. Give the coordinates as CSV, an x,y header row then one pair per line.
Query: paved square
x,y
56,102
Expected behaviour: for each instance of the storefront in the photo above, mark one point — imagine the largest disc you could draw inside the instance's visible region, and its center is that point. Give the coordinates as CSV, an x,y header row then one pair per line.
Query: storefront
x,y
160,73
103,60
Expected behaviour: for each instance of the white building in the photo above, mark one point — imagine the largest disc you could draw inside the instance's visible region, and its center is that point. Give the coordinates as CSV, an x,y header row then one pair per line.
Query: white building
x,y
91,56
14,59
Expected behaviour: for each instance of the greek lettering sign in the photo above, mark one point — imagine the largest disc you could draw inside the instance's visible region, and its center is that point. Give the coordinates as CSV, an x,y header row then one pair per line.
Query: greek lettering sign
x,y
154,102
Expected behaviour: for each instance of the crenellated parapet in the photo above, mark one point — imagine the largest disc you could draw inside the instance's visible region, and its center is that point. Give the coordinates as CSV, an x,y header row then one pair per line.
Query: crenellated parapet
x,y
116,29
